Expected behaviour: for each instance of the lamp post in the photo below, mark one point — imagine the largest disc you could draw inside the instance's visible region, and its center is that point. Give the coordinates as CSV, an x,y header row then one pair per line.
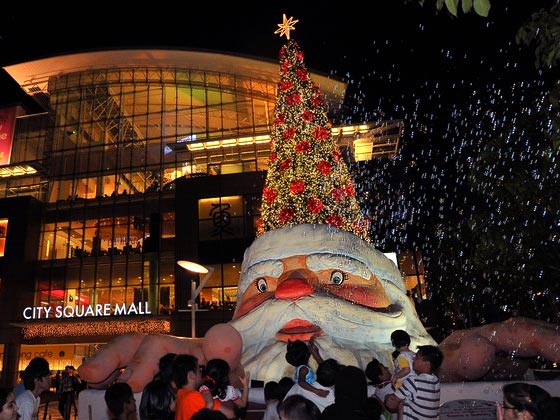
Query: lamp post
x,y
195,291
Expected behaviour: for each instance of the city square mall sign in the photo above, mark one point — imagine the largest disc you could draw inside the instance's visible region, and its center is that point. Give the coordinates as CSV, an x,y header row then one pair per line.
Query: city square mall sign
x,y
106,309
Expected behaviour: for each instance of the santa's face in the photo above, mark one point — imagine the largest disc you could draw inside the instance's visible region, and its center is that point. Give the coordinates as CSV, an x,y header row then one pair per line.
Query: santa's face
x,y
315,280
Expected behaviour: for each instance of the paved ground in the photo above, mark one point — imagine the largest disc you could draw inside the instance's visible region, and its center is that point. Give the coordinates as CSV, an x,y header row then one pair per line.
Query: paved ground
x,y
49,409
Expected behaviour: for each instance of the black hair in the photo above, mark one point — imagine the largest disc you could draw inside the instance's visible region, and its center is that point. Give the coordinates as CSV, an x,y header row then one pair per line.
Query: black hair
x,y
399,338
526,397
208,414
432,354
300,408
116,397
297,353
182,365
37,368
327,371
165,366
157,397
285,384
373,371
216,377
272,391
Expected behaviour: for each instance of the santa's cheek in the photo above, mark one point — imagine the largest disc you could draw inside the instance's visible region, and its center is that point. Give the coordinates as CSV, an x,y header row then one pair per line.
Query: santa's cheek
x,y
365,296
250,303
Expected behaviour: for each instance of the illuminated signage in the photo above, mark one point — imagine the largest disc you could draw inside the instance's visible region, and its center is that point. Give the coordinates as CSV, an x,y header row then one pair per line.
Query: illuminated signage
x,y
7,123
100,309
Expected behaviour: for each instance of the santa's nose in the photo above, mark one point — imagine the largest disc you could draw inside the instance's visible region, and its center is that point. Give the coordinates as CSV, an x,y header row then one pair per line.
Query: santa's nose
x,y
293,288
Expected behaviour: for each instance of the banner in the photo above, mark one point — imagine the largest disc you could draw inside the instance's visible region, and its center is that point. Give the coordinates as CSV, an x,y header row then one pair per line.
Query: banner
x,y
7,124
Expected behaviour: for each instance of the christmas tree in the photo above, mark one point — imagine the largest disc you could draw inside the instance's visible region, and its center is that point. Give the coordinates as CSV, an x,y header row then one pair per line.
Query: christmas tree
x,y
308,180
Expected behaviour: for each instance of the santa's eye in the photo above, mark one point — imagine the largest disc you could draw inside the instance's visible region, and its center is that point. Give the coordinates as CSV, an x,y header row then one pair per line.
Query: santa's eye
x,y
338,277
261,285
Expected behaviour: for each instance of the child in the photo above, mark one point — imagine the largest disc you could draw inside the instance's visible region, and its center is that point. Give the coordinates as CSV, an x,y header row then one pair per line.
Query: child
x,y
403,357
272,397
380,377
420,393
297,355
216,385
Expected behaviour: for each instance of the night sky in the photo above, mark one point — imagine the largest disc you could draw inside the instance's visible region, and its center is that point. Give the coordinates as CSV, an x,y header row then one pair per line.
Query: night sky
x,y
459,84
396,35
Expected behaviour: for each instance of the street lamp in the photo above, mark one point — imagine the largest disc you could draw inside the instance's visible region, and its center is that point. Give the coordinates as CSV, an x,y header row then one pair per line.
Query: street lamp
x,y
195,291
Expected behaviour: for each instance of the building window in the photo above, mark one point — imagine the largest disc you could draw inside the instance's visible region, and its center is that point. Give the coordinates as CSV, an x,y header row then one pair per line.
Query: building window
x,y
76,287
220,292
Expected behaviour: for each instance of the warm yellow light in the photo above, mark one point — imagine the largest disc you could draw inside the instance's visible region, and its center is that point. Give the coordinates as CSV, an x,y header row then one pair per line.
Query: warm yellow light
x,y
363,129
245,140
262,139
212,144
192,266
348,129
18,170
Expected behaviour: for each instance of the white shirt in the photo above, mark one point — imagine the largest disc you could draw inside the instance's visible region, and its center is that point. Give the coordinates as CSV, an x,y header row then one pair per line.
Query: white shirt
x,y
320,402
271,412
28,406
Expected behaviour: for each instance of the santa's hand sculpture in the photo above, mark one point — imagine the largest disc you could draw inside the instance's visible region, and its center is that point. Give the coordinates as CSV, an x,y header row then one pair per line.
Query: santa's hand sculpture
x,y
311,273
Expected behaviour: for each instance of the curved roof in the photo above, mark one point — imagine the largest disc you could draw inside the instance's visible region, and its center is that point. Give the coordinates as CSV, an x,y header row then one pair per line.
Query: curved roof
x,y
33,76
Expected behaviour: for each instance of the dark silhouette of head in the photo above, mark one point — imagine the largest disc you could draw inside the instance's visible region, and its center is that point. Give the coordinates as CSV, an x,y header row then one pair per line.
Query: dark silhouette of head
x,y
400,338
297,407
272,391
327,372
432,354
37,368
156,401
207,414
182,365
117,396
297,353
216,377
286,383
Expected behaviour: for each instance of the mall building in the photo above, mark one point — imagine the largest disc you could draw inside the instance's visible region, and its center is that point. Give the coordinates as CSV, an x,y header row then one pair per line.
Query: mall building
x,y
118,164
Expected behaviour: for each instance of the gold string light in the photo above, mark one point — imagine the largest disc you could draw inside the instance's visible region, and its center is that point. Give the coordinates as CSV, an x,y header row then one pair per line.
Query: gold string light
x,y
40,330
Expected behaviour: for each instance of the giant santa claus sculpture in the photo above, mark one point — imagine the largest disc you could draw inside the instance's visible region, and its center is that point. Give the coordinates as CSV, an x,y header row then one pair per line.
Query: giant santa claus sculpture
x,y
312,273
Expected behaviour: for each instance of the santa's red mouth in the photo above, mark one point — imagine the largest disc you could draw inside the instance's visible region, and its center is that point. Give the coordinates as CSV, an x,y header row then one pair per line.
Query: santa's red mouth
x,y
298,329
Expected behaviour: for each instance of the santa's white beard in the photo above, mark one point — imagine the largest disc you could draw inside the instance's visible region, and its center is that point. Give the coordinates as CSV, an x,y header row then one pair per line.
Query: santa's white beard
x,y
352,334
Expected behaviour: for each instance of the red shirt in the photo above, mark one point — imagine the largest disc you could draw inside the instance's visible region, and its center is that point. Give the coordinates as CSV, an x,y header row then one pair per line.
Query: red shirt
x,y
190,402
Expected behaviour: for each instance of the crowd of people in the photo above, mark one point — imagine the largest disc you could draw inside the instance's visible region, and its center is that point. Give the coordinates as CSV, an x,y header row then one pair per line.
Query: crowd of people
x,y
410,389
183,389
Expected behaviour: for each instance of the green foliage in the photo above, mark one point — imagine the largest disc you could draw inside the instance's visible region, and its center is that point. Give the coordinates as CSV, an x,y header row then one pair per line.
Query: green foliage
x,y
467,6
543,32
452,6
480,7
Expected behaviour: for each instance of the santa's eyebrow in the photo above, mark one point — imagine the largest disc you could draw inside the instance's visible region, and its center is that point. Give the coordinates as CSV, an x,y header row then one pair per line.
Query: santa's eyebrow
x,y
316,262
269,268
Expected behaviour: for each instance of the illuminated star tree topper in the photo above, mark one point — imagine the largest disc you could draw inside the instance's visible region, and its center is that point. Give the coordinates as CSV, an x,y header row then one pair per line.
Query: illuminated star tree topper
x,y
286,26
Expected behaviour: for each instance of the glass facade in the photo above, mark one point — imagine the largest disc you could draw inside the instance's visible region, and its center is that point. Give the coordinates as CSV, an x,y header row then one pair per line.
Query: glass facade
x,y
112,146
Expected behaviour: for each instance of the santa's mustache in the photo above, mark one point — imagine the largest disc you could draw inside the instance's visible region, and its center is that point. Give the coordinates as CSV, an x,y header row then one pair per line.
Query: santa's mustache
x,y
337,318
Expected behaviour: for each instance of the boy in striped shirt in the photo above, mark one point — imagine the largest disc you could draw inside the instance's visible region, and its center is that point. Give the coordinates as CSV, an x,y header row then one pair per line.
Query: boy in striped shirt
x,y
419,393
